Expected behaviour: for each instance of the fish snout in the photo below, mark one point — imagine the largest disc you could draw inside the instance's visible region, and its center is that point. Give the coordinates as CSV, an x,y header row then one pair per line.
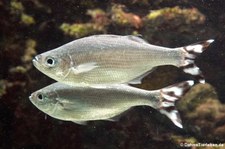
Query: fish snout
x,y
36,59
31,97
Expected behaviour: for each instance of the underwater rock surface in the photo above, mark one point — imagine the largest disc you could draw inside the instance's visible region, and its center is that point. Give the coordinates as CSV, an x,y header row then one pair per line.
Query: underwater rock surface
x,y
35,26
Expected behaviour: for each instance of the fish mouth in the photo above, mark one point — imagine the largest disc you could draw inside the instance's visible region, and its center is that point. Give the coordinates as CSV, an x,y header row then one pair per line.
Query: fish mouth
x,y
31,97
36,58
35,61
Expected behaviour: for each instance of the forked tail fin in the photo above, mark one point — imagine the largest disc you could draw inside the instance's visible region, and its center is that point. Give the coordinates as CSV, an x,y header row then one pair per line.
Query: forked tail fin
x,y
171,94
190,53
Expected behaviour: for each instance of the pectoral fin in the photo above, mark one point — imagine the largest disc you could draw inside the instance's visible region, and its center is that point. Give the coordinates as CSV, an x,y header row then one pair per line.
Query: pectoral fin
x,y
84,67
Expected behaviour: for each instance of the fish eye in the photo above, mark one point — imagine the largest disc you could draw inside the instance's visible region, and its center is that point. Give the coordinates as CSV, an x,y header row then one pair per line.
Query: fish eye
x,y
40,97
50,61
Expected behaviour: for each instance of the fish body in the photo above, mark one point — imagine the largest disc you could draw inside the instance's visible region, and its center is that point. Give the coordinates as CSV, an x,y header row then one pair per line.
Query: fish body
x,y
81,104
108,59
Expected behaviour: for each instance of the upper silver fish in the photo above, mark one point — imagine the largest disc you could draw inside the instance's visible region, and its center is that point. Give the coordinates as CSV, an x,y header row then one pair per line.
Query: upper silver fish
x,y
109,59
81,104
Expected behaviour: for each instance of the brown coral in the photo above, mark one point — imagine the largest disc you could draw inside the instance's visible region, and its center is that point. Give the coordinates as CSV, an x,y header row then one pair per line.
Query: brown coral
x,y
203,113
120,17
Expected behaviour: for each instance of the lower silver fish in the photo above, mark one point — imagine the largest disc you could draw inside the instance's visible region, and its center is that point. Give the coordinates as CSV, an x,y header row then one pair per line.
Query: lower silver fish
x,y
81,104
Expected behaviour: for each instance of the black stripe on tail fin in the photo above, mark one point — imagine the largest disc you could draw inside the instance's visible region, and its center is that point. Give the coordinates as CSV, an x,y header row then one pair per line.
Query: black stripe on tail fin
x,y
171,94
191,52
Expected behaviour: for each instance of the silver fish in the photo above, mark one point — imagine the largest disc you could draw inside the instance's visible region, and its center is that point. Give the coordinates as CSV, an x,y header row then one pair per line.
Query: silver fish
x,y
81,104
109,59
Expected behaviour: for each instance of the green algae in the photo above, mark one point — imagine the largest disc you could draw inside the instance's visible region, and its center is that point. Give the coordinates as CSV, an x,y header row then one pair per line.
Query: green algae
x,y
95,12
27,19
97,24
174,16
18,69
186,14
79,30
118,15
30,50
18,9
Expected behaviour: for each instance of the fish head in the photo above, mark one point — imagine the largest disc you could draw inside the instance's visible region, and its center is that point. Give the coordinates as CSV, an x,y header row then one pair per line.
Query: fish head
x,y
53,64
45,100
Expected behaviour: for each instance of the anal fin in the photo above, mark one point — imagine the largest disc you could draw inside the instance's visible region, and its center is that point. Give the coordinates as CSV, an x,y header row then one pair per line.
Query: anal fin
x,y
139,79
80,122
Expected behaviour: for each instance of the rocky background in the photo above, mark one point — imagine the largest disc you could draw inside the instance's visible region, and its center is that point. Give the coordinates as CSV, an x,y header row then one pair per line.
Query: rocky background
x,y
29,27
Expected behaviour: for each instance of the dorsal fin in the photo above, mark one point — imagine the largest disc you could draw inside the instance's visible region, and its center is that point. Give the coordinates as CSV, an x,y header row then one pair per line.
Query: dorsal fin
x,y
136,39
